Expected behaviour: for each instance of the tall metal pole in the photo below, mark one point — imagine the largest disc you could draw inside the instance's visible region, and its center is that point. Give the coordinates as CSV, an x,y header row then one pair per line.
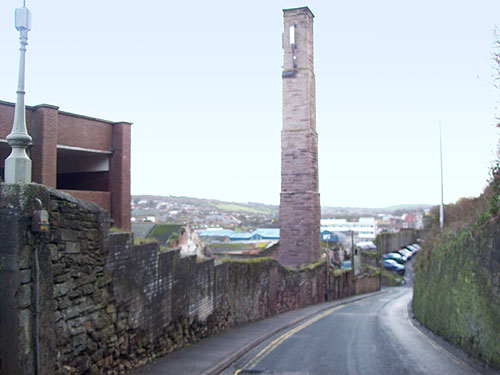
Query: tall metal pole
x,y
18,164
441,208
352,253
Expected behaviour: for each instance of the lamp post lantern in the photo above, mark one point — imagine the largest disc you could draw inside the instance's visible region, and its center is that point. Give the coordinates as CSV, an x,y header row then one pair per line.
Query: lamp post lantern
x,y
18,164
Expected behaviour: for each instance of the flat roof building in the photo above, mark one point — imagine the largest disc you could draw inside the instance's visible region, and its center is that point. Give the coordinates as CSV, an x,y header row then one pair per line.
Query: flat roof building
x,y
87,157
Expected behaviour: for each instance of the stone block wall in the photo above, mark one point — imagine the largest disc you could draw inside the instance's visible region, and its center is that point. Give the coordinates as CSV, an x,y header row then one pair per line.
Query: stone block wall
x,y
366,283
457,288
388,242
107,306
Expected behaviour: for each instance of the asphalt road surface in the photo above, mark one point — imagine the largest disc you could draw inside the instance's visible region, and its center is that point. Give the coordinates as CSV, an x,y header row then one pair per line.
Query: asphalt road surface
x,y
370,336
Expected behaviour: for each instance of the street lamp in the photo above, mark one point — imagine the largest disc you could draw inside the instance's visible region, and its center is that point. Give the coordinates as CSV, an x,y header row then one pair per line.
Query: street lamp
x,y
441,207
18,164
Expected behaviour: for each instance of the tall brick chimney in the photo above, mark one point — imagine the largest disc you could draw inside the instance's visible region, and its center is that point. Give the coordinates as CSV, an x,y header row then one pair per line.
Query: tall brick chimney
x,y
299,202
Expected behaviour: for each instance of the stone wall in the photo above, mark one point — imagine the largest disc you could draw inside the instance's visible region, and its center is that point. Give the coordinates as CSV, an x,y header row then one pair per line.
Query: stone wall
x,y
457,288
388,242
107,305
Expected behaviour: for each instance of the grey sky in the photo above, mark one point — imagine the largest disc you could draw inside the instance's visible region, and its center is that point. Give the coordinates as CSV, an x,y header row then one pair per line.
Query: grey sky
x,y
201,81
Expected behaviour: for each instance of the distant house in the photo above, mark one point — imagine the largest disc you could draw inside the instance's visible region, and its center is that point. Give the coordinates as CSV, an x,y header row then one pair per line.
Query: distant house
x,y
218,235
329,236
409,221
363,229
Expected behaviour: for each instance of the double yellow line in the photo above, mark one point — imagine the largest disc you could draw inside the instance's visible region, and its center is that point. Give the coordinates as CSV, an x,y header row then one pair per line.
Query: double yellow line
x,y
274,344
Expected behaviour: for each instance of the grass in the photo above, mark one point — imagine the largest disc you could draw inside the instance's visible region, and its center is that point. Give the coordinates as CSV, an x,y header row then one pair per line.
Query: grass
x,y
117,230
248,260
163,233
390,278
237,207
340,271
142,241
314,265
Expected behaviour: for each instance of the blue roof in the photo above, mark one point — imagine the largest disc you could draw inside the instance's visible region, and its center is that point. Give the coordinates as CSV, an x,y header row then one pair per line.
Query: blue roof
x,y
216,233
241,236
262,233
268,233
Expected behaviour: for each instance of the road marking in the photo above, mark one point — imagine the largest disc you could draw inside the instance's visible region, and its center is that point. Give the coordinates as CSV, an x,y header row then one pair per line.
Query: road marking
x,y
274,344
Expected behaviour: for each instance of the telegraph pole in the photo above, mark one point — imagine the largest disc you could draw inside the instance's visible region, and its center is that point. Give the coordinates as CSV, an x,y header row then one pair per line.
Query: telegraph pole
x,y
441,208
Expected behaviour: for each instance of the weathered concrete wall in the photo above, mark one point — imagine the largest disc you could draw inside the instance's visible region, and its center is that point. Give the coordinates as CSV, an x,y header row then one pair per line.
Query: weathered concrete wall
x,y
388,242
107,305
457,289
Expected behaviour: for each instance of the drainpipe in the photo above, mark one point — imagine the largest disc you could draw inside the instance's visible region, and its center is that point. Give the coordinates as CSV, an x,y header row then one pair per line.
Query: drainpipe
x,y
37,312
39,224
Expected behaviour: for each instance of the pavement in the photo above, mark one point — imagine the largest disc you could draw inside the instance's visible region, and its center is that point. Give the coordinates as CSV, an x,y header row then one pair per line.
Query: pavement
x,y
213,354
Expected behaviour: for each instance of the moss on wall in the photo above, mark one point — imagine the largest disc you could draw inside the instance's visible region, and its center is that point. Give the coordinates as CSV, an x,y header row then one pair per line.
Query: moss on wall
x,y
391,278
457,292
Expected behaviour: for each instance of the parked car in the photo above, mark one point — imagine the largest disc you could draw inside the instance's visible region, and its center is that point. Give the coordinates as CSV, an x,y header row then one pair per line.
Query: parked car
x,y
396,256
392,265
405,252
411,248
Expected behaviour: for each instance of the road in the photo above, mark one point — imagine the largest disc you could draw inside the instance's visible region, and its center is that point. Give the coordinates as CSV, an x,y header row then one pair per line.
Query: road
x,y
370,336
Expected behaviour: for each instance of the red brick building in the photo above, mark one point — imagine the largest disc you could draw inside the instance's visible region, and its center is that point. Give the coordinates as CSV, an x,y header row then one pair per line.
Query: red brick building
x,y
84,156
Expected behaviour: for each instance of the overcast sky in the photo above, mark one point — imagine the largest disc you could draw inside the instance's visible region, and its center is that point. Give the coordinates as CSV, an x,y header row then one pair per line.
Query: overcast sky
x,y
201,81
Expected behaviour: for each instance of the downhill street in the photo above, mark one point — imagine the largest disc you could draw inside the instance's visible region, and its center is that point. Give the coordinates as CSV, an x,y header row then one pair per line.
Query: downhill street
x,y
370,336
374,335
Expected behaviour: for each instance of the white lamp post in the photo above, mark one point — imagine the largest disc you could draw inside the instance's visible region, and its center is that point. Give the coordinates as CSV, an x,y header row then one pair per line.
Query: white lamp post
x,y
18,164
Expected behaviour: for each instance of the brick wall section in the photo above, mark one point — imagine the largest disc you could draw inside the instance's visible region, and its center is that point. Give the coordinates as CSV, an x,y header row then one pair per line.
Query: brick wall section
x,y
7,118
44,152
51,128
108,306
119,176
86,132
